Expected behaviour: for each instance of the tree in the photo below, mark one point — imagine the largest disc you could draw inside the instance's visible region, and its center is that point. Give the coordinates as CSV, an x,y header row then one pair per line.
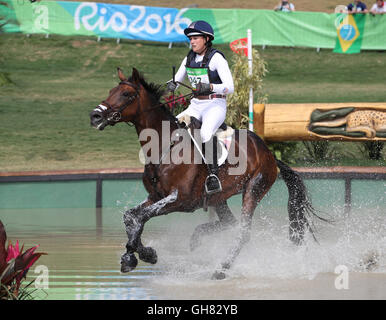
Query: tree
x,y
238,102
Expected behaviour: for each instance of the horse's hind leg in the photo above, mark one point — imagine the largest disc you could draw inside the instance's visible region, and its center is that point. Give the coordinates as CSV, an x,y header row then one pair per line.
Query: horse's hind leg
x,y
254,192
226,220
249,205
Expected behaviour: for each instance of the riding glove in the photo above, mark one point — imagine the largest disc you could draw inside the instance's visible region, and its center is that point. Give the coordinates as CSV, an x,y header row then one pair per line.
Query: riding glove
x,y
171,86
202,89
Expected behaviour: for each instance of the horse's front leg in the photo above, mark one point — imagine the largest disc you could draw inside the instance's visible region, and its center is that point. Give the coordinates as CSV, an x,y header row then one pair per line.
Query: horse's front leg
x,y
135,220
133,227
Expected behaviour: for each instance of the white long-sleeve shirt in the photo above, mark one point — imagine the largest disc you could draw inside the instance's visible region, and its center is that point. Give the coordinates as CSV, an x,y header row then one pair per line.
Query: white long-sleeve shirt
x,y
377,9
211,112
216,63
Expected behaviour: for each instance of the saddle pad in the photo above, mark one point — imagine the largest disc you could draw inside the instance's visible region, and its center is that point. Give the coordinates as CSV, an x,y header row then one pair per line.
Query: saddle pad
x,y
225,139
225,136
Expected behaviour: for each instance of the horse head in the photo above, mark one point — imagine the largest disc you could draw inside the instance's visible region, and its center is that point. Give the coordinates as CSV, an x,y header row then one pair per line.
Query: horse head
x,y
122,104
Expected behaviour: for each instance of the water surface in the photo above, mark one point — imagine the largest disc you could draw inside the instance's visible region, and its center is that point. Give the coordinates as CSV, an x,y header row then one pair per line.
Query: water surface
x,y
85,264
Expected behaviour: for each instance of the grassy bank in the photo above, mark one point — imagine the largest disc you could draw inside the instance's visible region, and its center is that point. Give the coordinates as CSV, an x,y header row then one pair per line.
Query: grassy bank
x,y
58,81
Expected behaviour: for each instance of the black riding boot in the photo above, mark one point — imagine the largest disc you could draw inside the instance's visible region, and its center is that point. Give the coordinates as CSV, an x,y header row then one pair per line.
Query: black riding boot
x,y
212,182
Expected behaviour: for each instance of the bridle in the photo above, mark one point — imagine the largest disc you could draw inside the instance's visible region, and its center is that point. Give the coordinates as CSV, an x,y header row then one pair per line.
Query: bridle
x,y
113,116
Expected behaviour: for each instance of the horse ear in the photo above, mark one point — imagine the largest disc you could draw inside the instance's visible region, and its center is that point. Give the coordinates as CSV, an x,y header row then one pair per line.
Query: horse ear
x,y
120,74
135,76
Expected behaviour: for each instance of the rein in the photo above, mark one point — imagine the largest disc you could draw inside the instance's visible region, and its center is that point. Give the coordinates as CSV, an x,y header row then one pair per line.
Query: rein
x,y
174,99
115,116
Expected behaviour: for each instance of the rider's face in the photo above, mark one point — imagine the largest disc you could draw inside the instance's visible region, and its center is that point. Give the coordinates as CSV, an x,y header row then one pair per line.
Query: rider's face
x,y
198,44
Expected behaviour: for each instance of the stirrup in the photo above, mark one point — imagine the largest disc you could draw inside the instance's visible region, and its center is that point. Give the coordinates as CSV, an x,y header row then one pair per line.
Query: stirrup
x,y
217,188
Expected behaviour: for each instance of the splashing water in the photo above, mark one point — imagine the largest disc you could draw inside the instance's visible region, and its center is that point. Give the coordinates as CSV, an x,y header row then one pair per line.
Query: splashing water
x,y
270,266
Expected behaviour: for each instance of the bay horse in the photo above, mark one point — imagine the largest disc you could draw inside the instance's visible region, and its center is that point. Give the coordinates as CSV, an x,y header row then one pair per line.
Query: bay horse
x,y
175,187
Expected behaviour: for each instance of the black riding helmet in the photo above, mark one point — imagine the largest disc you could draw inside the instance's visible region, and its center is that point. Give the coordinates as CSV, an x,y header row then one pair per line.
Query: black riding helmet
x,y
200,28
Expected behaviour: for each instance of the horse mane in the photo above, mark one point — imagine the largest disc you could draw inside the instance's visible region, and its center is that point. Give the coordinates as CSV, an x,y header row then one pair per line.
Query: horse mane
x,y
156,92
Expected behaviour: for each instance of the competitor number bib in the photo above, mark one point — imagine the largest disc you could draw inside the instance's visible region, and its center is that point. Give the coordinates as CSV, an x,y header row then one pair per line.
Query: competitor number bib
x,y
196,75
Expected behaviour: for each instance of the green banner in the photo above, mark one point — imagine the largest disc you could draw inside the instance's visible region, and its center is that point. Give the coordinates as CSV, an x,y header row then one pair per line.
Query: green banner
x,y
348,34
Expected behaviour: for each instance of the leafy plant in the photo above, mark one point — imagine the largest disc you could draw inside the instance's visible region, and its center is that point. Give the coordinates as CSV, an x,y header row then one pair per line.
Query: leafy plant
x,y
373,149
318,150
284,151
14,265
238,102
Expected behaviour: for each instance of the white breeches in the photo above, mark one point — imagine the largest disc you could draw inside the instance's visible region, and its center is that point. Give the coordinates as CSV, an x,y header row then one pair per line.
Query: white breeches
x,y
210,112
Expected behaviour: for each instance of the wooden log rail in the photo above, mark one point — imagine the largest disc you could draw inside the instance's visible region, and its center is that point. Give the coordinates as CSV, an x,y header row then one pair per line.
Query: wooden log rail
x,y
286,122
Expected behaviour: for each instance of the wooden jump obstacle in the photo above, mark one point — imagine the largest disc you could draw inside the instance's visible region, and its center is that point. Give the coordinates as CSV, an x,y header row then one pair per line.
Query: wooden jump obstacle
x,y
317,121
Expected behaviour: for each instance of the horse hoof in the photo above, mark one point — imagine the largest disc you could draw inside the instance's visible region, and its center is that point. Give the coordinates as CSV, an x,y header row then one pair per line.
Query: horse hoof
x,y
128,262
148,254
218,275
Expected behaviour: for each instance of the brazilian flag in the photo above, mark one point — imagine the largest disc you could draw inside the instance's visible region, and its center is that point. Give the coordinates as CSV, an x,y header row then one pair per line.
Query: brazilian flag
x,y
350,29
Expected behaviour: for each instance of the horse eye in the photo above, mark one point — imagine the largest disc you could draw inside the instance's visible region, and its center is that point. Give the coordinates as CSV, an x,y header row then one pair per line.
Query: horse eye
x,y
126,94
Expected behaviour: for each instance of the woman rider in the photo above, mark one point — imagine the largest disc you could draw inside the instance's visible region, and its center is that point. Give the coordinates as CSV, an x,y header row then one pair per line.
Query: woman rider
x,y
209,74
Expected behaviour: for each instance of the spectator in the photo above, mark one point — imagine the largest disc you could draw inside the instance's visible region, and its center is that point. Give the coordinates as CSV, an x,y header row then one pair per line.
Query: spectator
x,y
357,7
285,6
378,7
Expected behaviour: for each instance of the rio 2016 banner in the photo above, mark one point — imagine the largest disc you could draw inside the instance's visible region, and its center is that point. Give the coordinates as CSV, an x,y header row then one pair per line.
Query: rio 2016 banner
x,y
306,29
100,19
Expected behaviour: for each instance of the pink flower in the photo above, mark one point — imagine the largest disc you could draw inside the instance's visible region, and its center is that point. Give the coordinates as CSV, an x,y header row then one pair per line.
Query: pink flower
x,y
13,252
170,101
14,264
174,101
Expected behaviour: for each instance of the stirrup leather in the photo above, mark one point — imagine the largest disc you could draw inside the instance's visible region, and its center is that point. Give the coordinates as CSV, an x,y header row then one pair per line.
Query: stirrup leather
x,y
218,187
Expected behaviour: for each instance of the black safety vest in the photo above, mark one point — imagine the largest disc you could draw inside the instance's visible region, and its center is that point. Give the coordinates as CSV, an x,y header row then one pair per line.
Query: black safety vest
x,y
191,63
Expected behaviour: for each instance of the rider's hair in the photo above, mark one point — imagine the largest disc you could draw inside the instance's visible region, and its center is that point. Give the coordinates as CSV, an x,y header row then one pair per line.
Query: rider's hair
x,y
208,44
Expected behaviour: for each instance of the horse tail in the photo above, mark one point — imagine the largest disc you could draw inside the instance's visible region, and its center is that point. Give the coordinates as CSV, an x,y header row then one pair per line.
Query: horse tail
x,y
300,208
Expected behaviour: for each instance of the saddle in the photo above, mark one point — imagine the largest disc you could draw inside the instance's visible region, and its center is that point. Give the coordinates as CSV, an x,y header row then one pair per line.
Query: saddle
x,y
223,136
196,124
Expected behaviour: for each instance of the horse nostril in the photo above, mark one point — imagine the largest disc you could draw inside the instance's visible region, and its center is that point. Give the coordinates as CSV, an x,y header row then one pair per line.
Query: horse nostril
x,y
96,116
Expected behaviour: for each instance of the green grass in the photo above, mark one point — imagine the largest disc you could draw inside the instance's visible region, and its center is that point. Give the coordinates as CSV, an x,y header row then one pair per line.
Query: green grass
x,y
56,82
304,75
